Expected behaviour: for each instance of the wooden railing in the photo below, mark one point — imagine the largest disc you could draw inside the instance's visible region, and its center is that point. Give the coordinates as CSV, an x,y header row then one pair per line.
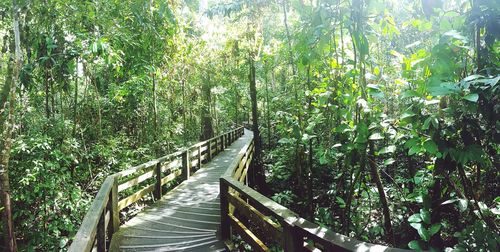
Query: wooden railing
x,y
264,224
122,189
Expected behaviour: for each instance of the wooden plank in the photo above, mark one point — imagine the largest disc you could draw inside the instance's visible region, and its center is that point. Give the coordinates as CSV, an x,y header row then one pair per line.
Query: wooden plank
x,y
224,211
84,238
203,145
244,172
231,168
135,197
194,162
293,241
209,150
113,209
186,165
264,223
240,168
174,164
171,176
323,236
138,179
204,157
101,233
199,157
247,235
146,165
107,197
158,175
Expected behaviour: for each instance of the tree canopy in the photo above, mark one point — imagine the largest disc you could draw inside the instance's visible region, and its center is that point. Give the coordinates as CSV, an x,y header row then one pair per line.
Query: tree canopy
x,y
375,119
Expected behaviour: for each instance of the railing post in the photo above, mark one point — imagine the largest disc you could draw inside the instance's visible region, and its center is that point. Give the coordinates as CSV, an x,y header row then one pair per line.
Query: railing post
x,y
293,242
225,226
217,145
114,215
222,142
209,150
158,192
199,156
101,233
185,164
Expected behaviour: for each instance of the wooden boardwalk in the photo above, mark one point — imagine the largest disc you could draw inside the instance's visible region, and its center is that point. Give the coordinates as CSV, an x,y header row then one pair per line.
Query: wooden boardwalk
x,y
186,218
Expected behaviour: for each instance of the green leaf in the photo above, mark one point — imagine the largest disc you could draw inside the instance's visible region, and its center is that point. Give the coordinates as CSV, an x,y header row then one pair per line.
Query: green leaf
x,y
416,225
472,77
388,149
409,93
449,202
434,228
415,218
407,114
424,234
471,97
415,245
430,146
462,205
455,35
389,161
442,89
376,136
414,149
340,201
425,215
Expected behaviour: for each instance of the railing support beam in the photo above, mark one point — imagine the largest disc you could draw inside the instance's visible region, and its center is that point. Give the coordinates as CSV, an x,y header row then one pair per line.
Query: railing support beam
x,y
186,163
293,242
114,222
158,191
209,150
199,157
101,233
225,226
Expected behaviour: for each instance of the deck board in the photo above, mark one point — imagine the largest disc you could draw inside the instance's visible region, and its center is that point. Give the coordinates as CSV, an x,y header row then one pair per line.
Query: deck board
x,y
187,218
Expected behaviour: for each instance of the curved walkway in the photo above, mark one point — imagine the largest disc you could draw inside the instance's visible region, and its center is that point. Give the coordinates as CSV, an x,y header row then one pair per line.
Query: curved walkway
x,y
187,218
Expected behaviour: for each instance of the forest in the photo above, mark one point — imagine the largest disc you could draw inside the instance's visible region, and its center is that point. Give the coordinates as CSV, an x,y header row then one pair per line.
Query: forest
x,y
378,120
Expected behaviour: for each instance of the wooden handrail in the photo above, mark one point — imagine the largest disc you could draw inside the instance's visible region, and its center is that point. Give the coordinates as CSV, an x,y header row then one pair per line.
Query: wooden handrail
x,y
272,223
102,219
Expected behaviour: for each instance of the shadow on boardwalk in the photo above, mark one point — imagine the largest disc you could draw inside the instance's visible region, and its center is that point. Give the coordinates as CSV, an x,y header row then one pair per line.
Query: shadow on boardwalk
x,y
186,218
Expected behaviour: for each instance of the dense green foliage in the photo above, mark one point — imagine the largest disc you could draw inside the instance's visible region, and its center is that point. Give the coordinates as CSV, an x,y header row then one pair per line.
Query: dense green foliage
x,y
378,119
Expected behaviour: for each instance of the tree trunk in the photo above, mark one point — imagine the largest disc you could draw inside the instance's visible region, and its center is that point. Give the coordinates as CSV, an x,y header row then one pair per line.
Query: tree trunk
x,y
7,106
75,102
268,117
257,178
155,117
207,130
383,199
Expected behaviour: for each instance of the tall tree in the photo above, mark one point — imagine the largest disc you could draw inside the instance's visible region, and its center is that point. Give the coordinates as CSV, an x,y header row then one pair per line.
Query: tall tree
x,y
7,105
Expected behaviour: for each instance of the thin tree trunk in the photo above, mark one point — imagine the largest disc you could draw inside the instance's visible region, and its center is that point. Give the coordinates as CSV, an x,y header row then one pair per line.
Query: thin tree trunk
x,y
257,177
357,176
206,117
383,199
155,116
184,109
7,106
268,114
75,102
47,107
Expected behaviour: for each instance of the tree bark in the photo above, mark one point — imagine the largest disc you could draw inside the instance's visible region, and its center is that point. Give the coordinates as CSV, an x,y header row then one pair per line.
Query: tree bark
x,y
207,130
75,102
7,106
257,178
383,199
